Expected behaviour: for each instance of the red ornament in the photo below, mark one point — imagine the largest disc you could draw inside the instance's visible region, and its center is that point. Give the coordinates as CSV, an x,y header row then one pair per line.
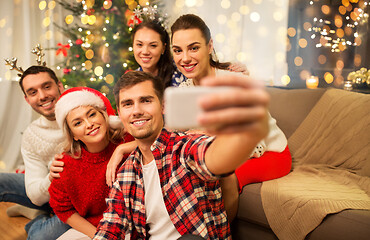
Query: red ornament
x,y
66,71
63,49
79,42
133,21
90,11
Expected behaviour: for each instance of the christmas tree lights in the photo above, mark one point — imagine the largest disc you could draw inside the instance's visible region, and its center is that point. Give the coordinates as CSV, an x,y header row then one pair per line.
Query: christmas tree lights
x,y
98,50
340,32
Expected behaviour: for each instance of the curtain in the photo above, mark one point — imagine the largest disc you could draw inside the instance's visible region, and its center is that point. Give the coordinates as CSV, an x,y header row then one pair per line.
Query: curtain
x,y
22,27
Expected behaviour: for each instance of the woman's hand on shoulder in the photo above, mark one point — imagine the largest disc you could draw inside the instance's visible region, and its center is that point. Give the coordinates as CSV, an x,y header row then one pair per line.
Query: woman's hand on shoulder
x,y
239,67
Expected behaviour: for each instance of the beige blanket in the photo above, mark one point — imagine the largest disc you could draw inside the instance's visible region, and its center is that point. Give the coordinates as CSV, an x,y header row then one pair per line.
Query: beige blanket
x,y
331,168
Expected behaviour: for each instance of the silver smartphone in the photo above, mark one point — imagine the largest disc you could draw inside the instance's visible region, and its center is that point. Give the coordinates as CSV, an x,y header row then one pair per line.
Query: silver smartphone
x,y
181,105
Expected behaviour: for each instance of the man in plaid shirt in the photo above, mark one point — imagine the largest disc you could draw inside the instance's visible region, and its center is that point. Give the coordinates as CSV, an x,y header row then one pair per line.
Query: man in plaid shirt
x,y
169,186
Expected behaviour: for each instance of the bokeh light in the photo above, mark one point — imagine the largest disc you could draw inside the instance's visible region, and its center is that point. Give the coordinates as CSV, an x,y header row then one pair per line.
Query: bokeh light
x,y
46,22
304,74
302,43
342,10
190,3
291,32
225,4
51,5
329,78
89,54
107,4
98,71
357,60
298,61
69,19
109,79
221,19
322,59
2,23
285,80
325,9
244,9
255,17
307,26
42,5
88,65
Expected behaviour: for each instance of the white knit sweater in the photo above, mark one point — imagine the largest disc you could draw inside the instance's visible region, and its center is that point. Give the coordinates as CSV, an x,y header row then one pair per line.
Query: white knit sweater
x,y
40,142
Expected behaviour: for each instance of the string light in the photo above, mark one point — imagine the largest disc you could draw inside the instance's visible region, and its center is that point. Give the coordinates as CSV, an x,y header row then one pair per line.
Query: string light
x,y
337,40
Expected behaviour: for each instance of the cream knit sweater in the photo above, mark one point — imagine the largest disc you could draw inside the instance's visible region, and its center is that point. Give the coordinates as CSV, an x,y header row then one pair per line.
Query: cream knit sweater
x,y
40,142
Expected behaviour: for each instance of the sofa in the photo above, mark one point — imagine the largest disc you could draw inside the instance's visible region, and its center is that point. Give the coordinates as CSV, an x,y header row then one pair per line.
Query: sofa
x,y
290,108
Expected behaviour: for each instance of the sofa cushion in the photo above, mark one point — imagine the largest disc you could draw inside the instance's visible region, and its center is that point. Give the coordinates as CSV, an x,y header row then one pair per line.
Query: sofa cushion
x,y
329,148
348,224
291,106
336,133
250,205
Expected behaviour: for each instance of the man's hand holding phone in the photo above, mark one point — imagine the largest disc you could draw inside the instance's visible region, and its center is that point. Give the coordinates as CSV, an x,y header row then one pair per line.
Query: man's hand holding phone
x,y
221,105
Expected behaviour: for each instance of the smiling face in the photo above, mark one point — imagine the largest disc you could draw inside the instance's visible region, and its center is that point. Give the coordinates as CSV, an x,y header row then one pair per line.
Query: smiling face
x,y
148,48
191,53
140,111
42,93
88,125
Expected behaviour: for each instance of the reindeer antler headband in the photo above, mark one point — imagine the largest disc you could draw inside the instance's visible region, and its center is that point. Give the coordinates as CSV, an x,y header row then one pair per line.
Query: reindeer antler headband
x,y
38,51
13,65
13,62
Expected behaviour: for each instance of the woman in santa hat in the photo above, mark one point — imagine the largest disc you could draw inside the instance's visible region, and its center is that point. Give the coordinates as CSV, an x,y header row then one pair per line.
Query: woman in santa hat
x,y
92,132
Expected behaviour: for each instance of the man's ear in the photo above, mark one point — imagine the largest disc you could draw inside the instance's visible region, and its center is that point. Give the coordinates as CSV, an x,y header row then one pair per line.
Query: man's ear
x,y
210,46
163,106
26,98
60,86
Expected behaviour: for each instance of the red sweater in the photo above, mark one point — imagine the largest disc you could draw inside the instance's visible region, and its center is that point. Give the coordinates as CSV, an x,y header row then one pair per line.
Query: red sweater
x,y
82,187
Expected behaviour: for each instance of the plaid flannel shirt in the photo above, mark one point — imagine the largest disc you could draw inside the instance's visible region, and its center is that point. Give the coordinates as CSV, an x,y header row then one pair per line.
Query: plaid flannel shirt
x,y
192,194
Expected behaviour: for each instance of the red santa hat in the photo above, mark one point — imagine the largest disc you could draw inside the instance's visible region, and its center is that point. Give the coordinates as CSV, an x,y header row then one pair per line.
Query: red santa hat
x,y
84,96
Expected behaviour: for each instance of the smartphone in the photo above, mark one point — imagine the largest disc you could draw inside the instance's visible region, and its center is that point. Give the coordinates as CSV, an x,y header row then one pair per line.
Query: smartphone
x,y
181,105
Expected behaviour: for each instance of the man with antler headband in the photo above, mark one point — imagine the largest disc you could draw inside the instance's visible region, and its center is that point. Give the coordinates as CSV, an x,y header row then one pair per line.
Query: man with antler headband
x,y
40,142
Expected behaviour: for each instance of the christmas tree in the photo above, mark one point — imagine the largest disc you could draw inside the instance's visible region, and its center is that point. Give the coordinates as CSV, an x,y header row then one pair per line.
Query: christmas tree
x,y
99,47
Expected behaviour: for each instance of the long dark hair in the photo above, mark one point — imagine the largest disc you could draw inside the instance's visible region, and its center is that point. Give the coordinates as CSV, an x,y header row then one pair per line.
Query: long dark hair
x,y
191,21
164,65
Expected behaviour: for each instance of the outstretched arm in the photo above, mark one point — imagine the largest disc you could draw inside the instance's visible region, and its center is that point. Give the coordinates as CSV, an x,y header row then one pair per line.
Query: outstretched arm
x,y
237,117
116,158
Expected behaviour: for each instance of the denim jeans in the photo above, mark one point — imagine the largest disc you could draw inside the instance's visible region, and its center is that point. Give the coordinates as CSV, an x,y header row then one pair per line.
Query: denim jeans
x,y
12,189
44,227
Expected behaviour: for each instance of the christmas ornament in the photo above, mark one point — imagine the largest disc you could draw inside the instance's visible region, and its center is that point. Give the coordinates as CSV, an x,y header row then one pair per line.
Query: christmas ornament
x,y
62,49
67,71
